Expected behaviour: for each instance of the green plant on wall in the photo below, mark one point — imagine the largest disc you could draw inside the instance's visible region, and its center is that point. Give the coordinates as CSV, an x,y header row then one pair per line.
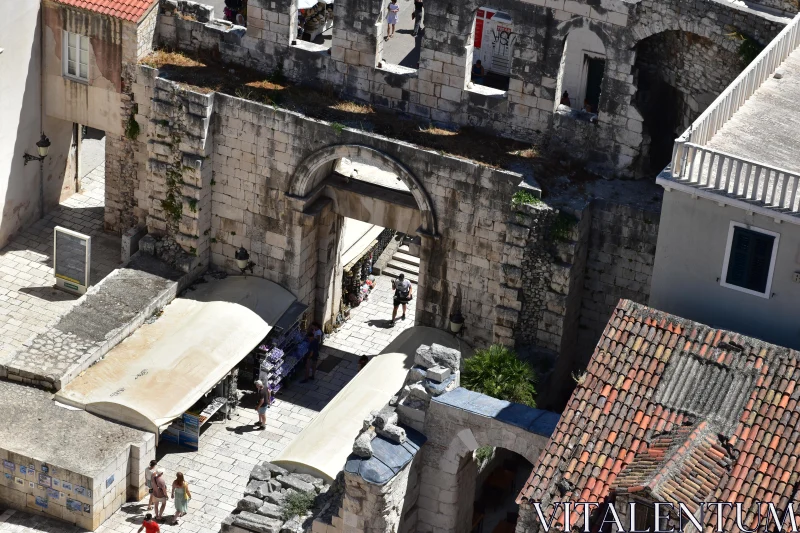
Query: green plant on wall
x,y
749,48
562,227
193,205
297,504
338,128
523,197
497,371
132,128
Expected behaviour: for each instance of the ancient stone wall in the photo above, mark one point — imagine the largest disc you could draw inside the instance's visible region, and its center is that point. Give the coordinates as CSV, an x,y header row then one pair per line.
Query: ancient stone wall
x,y
440,88
245,174
619,264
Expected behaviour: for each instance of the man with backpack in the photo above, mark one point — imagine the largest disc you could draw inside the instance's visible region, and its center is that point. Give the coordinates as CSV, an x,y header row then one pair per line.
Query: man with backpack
x,y
402,295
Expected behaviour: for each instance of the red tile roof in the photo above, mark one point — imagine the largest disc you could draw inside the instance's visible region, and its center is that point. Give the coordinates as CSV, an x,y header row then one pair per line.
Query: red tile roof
x,y
125,9
658,384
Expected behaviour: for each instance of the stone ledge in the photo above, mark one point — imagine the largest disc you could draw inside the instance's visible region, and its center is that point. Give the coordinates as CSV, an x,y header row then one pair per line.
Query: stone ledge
x,y
103,317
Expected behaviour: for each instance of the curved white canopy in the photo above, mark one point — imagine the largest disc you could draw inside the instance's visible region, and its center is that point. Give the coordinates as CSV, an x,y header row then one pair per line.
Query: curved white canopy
x,y
322,448
164,367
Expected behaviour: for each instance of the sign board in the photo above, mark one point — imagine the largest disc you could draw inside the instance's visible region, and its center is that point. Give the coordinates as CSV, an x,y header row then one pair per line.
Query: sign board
x,y
72,255
190,435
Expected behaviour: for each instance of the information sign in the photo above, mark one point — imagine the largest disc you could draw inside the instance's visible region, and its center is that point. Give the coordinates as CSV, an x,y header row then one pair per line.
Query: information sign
x,y
72,254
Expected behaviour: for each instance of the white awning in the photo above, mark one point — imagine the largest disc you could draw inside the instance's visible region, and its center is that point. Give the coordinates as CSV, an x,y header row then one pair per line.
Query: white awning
x,y
322,448
163,368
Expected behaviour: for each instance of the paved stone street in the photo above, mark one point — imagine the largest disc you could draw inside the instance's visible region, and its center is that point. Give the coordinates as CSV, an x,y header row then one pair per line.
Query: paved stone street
x,y
219,471
28,301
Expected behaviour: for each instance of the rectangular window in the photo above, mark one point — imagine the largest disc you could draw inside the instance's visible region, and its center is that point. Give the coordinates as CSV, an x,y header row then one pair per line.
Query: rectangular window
x,y
75,54
749,259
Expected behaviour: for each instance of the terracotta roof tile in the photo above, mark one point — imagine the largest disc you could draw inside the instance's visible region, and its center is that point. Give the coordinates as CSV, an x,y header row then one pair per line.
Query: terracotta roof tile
x,y
681,410
131,10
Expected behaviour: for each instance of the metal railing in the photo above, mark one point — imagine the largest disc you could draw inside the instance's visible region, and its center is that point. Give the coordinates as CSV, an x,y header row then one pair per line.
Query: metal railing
x,y
700,166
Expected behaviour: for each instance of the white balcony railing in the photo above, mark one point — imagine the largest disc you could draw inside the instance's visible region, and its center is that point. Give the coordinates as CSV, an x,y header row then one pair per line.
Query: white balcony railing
x,y
696,164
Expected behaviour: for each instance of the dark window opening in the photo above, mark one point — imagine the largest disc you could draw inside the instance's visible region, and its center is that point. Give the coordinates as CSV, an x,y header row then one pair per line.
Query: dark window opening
x,y
750,259
645,518
594,79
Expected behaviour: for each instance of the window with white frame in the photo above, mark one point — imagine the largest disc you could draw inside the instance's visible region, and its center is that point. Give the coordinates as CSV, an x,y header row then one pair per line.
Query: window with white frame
x,y
76,56
749,259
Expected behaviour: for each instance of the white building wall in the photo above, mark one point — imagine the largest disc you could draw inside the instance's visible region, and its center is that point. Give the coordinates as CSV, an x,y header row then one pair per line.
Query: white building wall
x,y
23,187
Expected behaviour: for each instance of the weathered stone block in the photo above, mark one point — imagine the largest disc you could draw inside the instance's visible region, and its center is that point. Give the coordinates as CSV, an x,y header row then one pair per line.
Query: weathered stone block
x,y
257,523
249,503
438,373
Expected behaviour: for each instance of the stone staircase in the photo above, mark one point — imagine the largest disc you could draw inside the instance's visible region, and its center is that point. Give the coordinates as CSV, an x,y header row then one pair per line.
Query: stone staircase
x,y
405,260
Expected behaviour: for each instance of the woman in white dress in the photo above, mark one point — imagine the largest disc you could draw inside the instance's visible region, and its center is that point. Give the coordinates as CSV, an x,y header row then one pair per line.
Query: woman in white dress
x,y
391,18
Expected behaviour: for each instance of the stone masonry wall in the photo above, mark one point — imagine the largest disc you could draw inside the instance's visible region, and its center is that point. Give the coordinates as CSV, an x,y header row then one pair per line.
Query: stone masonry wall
x,y
619,264
440,89
250,168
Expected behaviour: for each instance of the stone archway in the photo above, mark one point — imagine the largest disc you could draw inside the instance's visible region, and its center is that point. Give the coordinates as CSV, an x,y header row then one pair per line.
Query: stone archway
x,y
308,175
456,424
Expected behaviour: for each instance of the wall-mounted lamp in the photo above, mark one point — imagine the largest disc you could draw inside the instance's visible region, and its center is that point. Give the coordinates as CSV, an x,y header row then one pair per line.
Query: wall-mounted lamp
x,y
243,260
43,146
456,323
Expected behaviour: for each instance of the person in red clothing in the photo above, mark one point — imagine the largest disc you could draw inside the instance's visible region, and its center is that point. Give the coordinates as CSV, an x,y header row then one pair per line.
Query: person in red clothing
x,y
149,525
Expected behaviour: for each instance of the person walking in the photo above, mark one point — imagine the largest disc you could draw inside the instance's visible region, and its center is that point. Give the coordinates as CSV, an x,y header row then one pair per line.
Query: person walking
x,y
264,399
181,496
148,480
312,356
149,525
160,494
391,19
402,295
417,16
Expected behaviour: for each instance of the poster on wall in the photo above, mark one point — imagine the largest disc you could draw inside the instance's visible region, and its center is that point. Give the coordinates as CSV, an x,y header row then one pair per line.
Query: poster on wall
x,y
52,494
72,255
8,465
23,469
109,481
74,505
66,486
41,501
87,508
190,434
19,481
79,490
56,483
44,479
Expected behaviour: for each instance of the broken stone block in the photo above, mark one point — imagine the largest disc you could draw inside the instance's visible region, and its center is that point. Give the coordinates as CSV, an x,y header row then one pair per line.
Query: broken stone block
x,y
257,523
385,417
291,481
250,504
278,497
438,355
257,489
418,392
415,375
308,478
393,433
362,446
294,525
271,510
438,373
275,469
261,473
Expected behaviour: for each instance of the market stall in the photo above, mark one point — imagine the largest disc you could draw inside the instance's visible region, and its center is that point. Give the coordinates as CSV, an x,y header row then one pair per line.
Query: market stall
x,y
174,373
314,18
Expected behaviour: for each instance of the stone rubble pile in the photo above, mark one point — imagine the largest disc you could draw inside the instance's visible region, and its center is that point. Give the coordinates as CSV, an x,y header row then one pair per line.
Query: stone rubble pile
x,y
436,370
262,508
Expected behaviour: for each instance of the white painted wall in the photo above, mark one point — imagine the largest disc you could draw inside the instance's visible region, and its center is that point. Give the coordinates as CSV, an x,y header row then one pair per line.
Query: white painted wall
x,y
21,126
580,42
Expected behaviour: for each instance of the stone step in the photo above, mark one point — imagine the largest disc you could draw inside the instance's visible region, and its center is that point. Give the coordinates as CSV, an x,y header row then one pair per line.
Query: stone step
x,y
406,258
393,273
410,249
400,266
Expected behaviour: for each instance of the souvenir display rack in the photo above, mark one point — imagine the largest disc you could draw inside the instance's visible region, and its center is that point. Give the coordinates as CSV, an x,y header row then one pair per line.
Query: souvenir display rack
x,y
318,19
277,357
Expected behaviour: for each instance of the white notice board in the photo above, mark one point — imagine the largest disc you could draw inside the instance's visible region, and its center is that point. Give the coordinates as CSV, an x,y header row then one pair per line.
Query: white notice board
x,y
72,259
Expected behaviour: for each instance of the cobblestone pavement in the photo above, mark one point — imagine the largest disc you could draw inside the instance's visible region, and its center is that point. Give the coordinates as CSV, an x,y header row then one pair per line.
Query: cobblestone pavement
x,y
219,471
28,301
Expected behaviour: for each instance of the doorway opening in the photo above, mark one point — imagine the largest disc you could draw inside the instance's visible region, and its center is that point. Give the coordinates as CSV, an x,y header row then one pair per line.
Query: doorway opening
x,y
367,242
400,32
492,49
497,475
312,23
91,160
583,65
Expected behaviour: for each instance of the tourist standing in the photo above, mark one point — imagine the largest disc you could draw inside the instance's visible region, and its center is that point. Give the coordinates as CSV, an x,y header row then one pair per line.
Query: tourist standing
x,y
391,18
402,295
149,525
264,399
148,480
312,356
478,72
180,495
160,494
417,16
